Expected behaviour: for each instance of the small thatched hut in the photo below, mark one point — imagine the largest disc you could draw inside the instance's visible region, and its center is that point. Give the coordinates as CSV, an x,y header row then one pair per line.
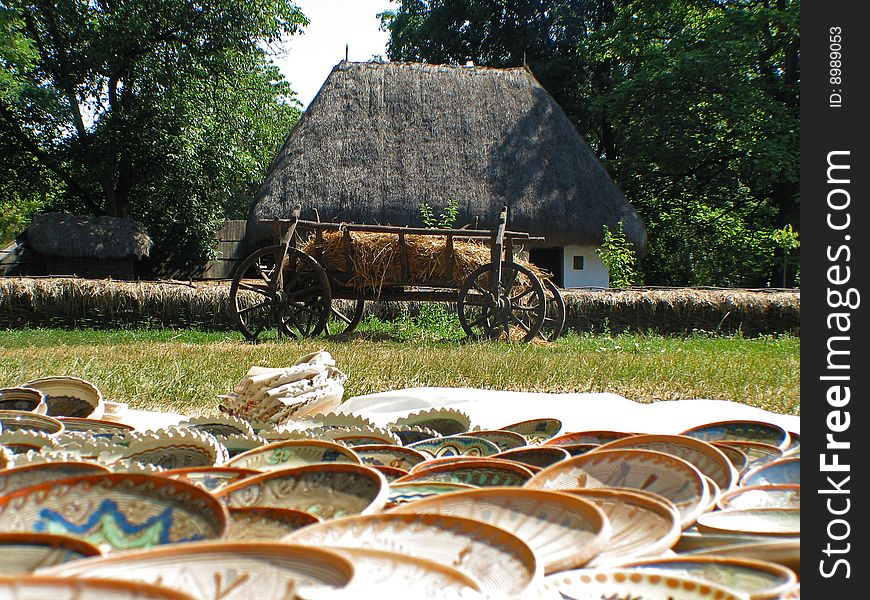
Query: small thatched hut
x,y
84,246
380,138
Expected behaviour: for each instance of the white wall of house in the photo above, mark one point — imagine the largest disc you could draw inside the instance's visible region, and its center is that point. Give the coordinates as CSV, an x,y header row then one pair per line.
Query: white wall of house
x,y
591,271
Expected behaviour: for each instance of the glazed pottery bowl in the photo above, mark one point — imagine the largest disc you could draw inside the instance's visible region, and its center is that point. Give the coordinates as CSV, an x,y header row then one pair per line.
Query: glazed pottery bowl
x,y
487,472
294,453
628,583
24,399
38,587
260,524
70,396
26,552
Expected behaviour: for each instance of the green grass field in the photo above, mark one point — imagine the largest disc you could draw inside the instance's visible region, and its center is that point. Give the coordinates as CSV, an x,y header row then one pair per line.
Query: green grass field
x,y
184,370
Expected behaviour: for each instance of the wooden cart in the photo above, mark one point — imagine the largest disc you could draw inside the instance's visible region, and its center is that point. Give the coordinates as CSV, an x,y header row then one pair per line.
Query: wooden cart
x,y
501,299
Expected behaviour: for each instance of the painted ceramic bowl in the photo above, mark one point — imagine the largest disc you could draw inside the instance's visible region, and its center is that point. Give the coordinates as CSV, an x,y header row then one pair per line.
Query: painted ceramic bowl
x,y
536,431
402,493
225,570
21,441
260,524
762,496
176,448
219,425
23,399
738,459
674,478
759,580
444,460
39,587
535,456
391,575
455,445
578,449
326,490
27,552
410,433
755,521
237,444
505,440
70,396
116,511
586,437
502,564
95,427
294,453
446,421
19,478
622,584
641,524
387,455
756,453
785,552
391,473
210,479
17,420
710,460
487,472
741,431
564,531
778,472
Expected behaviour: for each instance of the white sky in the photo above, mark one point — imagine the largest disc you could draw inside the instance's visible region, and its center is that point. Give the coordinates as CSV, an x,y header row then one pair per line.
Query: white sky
x,y
308,58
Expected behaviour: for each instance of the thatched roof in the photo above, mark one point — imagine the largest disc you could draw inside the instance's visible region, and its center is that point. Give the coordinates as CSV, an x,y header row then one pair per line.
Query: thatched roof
x,y
379,138
70,236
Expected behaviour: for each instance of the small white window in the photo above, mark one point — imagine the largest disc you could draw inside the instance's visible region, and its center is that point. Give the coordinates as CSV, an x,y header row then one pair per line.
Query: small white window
x,y
578,263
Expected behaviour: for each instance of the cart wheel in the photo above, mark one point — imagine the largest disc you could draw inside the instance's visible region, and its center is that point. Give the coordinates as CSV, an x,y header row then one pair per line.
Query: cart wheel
x,y
262,312
343,321
554,317
515,312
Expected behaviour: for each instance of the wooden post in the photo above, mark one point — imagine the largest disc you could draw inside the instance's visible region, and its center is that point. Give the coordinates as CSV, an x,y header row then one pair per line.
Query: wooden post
x,y
404,260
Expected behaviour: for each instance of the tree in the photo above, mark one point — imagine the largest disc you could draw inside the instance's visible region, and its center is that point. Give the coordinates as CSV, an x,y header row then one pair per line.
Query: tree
x,y
167,111
691,104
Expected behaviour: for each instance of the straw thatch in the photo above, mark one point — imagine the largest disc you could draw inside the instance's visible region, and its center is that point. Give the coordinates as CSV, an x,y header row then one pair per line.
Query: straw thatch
x,y
59,302
69,236
380,138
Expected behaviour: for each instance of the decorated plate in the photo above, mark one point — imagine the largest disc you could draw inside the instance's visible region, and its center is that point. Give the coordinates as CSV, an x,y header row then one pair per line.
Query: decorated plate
x,y
641,524
69,396
95,427
499,561
444,460
778,472
20,441
327,490
674,478
224,570
711,461
586,437
116,511
27,552
763,496
38,587
624,584
741,431
260,524
17,420
564,531
755,521
176,448
758,579
487,472
505,440
391,575
19,478
219,425
785,552
446,421
23,399
294,453
535,456
391,473
455,445
536,431
738,459
401,493
236,444
411,433
578,449
210,479
694,541
756,453
387,455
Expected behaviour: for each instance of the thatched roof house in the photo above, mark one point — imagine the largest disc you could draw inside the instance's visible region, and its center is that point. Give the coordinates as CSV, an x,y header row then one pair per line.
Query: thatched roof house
x,y
85,246
380,138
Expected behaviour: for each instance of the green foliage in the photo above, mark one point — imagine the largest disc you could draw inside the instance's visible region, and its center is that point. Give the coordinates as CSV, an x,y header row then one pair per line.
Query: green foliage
x,y
167,111
692,105
620,258
447,219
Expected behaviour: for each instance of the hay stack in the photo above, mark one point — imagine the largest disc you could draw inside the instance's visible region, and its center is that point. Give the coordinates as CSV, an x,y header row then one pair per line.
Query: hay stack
x,y
377,258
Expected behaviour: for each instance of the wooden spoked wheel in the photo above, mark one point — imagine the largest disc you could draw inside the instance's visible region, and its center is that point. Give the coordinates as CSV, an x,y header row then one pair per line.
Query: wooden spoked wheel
x,y
514,312
299,308
554,316
343,319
